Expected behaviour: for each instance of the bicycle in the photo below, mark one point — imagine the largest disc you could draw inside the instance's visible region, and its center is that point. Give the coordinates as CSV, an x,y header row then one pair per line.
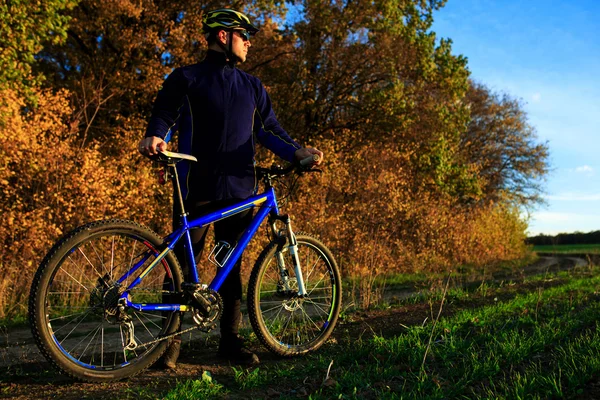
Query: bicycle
x,y
109,296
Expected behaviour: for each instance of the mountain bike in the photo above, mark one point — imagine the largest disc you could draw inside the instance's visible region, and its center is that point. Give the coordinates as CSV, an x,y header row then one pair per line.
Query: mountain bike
x,y
109,296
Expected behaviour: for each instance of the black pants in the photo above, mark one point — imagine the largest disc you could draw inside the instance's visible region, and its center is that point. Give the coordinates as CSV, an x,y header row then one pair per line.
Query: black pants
x,y
229,230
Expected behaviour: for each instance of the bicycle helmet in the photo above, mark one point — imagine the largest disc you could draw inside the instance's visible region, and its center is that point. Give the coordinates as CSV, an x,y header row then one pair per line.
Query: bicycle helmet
x,y
227,19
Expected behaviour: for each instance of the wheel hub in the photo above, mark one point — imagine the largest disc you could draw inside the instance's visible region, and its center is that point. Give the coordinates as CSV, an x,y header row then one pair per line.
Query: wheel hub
x,y
104,298
293,304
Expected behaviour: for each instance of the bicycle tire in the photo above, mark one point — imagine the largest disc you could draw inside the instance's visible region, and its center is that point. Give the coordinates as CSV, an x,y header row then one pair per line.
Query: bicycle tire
x,y
75,290
290,326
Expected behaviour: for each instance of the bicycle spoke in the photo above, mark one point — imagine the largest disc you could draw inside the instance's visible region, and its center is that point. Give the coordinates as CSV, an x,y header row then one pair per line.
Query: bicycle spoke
x,y
316,289
316,285
275,319
90,342
272,308
99,258
65,317
102,347
66,292
112,255
316,305
313,268
75,327
132,257
306,316
123,343
144,325
286,325
275,269
72,277
149,320
88,260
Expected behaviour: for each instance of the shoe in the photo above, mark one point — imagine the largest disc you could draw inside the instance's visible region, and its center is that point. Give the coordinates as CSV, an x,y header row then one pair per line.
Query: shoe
x,y
235,351
169,358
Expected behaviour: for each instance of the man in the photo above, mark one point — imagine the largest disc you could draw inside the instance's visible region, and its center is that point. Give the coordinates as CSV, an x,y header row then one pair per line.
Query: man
x,y
219,110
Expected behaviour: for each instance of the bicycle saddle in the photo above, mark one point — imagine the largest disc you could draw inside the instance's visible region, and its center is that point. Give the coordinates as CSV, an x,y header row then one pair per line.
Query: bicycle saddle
x,y
169,156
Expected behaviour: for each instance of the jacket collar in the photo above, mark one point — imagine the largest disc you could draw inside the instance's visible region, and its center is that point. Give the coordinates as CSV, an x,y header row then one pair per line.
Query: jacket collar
x,y
217,58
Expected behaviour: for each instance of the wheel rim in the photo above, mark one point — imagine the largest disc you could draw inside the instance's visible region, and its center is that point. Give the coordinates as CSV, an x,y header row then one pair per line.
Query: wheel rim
x,y
82,299
291,321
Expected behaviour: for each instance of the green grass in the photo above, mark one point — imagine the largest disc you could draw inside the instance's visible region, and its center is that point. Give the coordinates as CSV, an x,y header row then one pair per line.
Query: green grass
x,y
204,388
501,342
569,248
532,346
416,279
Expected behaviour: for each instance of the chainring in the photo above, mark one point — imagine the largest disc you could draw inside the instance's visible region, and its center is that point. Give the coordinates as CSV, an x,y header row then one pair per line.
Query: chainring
x,y
214,313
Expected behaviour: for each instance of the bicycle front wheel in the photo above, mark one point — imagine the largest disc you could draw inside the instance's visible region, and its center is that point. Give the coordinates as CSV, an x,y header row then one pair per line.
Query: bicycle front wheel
x,y
284,322
74,310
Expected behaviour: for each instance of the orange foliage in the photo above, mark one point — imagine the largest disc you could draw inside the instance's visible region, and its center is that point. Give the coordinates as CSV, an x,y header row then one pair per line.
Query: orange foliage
x,y
405,188
50,185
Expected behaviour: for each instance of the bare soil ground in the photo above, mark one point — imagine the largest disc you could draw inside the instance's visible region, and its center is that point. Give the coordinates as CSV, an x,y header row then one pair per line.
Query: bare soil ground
x,y
26,374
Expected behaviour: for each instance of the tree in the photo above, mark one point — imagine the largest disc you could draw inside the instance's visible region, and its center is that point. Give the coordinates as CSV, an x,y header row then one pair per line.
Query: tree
x,y
26,27
502,145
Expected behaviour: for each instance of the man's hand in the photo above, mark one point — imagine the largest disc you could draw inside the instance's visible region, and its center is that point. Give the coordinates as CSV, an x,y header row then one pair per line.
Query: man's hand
x,y
306,152
149,146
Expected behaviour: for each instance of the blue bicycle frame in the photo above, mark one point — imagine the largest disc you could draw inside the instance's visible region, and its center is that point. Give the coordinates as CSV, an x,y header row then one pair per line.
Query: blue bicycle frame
x,y
268,205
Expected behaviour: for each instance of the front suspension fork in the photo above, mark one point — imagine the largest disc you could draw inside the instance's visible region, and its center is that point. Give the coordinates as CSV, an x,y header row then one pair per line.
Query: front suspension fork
x,y
292,245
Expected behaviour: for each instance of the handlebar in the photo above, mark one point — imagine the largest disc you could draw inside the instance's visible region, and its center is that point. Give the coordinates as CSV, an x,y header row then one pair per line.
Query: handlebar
x,y
303,165
310,161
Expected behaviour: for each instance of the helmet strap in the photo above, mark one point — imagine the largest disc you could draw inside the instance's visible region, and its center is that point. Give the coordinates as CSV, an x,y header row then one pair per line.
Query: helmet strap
x,y
231,56
229,49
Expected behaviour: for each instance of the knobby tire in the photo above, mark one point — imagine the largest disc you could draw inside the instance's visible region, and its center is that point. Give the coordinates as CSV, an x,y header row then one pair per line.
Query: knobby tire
x,y
72,298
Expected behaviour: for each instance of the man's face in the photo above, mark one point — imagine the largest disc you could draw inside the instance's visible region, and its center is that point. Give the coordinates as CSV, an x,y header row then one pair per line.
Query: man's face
x,y
240,45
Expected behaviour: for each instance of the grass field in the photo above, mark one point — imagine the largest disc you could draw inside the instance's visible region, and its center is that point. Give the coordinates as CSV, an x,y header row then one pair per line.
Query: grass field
x,y
525,337
534,340
569,248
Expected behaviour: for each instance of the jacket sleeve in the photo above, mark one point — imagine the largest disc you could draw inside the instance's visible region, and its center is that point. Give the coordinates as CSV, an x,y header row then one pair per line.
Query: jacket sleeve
x,y
268,131
167,105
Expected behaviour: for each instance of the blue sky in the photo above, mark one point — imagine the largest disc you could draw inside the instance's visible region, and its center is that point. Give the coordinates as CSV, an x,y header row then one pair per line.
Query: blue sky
x,y
546,53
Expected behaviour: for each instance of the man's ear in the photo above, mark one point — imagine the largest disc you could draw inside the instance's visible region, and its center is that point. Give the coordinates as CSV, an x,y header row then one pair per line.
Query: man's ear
x,y
222,37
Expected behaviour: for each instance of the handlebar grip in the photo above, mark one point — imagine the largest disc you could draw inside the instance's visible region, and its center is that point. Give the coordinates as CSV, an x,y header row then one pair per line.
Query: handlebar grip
x,y
308,161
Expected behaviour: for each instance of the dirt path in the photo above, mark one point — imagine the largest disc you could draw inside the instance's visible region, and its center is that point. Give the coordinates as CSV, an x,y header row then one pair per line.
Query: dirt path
x,y
28,376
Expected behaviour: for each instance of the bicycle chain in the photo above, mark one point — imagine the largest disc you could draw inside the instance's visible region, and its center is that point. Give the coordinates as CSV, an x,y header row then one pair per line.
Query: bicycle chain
x,y
206,328
203,329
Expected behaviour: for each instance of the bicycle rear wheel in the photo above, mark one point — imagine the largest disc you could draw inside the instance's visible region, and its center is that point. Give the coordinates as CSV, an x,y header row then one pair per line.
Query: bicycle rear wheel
x,y
73,307
285,323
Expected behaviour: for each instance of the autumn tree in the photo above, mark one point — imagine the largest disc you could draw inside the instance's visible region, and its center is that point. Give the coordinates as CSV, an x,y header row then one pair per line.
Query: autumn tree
x,y
27,26
504,147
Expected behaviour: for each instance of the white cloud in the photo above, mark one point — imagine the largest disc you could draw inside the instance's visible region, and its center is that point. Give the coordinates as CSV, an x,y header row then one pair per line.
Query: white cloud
x,y
536,97
553,216
585,169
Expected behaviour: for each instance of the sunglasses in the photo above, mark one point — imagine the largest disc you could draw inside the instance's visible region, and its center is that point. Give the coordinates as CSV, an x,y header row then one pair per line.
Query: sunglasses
x,y
244,34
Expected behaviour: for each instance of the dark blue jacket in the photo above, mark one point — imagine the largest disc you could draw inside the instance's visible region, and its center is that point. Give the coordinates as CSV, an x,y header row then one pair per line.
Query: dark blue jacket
x,y
218,111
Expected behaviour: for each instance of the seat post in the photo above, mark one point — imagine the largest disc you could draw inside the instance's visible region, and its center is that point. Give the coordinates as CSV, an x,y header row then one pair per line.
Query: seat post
x,y
178,187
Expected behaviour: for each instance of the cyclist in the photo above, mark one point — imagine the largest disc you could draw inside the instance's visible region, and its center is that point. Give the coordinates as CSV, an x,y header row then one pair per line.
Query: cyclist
x,y
218,111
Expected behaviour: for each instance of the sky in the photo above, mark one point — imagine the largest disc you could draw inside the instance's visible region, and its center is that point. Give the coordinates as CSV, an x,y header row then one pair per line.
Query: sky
x,y
546,53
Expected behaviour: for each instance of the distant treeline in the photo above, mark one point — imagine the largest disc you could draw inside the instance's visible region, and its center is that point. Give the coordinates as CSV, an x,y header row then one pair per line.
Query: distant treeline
x,y
565,238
